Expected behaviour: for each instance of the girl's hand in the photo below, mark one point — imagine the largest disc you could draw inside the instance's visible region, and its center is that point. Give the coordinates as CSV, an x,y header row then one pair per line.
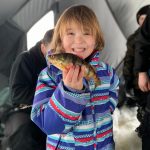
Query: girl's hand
x,y
73,76
143,82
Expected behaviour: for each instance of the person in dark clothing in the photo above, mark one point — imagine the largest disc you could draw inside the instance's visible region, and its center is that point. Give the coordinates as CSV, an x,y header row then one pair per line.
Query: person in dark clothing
x,y
142,67
20,132
133,93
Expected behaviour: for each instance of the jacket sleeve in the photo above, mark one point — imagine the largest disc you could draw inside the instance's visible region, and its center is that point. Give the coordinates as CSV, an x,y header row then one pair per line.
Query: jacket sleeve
x,y
129,61
114,88
142,52
21,83
56,109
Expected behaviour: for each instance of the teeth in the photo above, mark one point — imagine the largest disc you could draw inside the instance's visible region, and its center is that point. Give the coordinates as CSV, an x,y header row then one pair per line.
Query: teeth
x,y
79,50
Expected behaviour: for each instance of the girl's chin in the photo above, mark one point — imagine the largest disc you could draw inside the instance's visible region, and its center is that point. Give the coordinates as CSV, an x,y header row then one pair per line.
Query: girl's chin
x,y
81,56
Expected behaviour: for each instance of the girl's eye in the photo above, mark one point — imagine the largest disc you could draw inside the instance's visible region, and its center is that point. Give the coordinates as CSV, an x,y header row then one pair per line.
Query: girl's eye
x,y
70,33
86,33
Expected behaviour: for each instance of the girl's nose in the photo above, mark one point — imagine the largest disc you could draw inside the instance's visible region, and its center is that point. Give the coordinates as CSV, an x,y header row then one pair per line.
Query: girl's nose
x,y
79,39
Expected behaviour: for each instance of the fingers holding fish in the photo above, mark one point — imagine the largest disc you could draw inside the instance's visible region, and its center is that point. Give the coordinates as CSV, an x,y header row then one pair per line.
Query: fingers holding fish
x,y
78,74
65,72
73,77
82,72
70,74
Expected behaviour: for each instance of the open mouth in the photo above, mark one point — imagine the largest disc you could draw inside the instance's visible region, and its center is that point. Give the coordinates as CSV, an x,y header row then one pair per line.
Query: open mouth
x,y
79,52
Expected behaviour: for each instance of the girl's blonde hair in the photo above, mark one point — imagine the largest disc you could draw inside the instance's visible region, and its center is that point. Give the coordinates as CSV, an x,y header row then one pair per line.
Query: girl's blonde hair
x,y
85,18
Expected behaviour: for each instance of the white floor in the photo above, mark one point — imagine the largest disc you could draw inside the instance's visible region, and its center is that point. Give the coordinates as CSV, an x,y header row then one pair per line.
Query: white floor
x,y
125,123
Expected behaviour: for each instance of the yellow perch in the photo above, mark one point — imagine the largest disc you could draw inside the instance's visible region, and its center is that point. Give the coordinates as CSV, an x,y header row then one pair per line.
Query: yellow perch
x,y
61,60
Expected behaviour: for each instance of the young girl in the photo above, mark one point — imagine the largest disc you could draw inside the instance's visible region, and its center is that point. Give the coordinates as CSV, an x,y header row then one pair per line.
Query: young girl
x,y
74,113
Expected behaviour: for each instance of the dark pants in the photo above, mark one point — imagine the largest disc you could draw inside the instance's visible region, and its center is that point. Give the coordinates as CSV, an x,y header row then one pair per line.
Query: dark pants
x,y
21,133
146,132
144,128
146,143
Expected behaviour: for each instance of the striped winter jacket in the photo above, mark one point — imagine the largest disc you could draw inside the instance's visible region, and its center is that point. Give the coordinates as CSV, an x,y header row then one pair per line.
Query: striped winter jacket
x,y
76,120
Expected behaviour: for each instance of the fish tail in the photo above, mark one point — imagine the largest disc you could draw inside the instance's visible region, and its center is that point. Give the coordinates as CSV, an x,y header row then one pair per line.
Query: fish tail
x,y
97,81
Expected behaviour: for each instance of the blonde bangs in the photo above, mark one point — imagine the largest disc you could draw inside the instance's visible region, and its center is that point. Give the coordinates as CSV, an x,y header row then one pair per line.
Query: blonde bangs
x,y
85,18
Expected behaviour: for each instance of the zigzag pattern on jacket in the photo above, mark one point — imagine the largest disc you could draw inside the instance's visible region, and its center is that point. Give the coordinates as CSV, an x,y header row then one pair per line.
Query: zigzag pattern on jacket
x,y
76,120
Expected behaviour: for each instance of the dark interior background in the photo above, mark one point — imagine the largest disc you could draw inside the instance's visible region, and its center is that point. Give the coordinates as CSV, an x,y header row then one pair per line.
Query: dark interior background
x,y
116,17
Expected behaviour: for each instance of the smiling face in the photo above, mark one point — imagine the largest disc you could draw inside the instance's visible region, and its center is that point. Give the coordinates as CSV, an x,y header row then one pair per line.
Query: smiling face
x,y
78,41
77,31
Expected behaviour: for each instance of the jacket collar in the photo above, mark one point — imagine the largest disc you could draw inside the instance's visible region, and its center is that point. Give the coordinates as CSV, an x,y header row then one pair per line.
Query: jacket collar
x,y
94,58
